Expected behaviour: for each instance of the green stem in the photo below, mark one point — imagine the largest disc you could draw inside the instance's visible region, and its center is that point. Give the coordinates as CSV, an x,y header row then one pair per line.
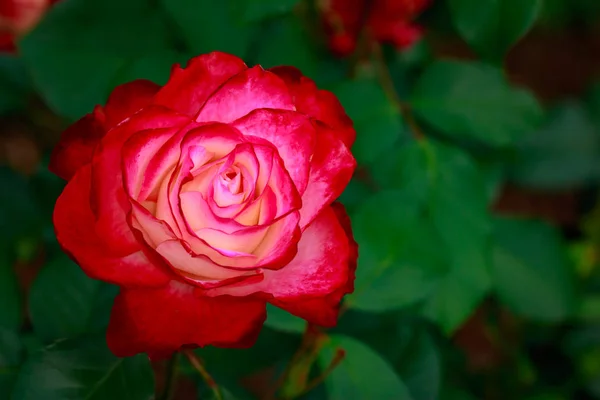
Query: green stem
x,y
385,79
337,359
197,364
167,393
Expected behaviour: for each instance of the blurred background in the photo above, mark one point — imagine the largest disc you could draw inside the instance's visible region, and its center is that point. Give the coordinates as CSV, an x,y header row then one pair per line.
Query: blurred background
x,y
475,204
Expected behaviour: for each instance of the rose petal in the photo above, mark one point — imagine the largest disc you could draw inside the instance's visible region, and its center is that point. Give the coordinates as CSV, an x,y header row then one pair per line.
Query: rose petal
x,y
164,160
261,211
332,167
146,161
108,198
251,89
318,104
217,141
286,195
153,230
161,321
188,89
176,252
77,144
127,99
74,224
228,244
290,132
198,213
321,266
260,241
323,310
200,266
280,243
228,197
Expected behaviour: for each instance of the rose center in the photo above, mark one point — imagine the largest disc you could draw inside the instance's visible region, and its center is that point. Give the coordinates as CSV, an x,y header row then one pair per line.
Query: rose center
x,y
231,179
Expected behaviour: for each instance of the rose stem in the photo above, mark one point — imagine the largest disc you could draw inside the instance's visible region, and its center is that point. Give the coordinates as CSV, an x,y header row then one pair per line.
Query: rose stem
x,y
311,335
170,381
195,361
385,79
337,359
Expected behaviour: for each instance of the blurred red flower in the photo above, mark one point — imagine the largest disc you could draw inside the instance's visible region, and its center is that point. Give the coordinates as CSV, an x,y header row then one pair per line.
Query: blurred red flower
x,y
18,17
387,21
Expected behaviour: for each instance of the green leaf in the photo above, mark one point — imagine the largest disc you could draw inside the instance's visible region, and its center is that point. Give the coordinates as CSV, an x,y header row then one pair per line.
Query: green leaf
x,y
362,374
73,57
458,210
210,25
410,168
472,101
407,345
257,10
84,369
531,272
548,396
354,194
10,300
492,27
47,186
155,67
589,309
593,102
449,393
289,44
563,154
19,211
282,320
11,353
458,206
396,266
440,199
377,121
14,84
31,343
271,347
494,174
419,365
292,43
226,394
64,302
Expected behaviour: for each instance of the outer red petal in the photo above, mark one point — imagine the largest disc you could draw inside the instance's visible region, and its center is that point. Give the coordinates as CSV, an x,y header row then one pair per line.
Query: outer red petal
x,y
125,100
322,265
77,143
324,310
7,42
247,91
332,167
75,227
188,89
161,321
318,104
108,198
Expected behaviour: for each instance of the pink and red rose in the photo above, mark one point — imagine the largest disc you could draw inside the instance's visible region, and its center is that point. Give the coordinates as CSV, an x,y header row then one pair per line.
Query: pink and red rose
x,y
207,198
386,21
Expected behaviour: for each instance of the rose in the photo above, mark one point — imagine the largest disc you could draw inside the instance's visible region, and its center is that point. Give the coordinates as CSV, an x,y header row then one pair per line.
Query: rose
x,y
18,17
206,198
387,21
